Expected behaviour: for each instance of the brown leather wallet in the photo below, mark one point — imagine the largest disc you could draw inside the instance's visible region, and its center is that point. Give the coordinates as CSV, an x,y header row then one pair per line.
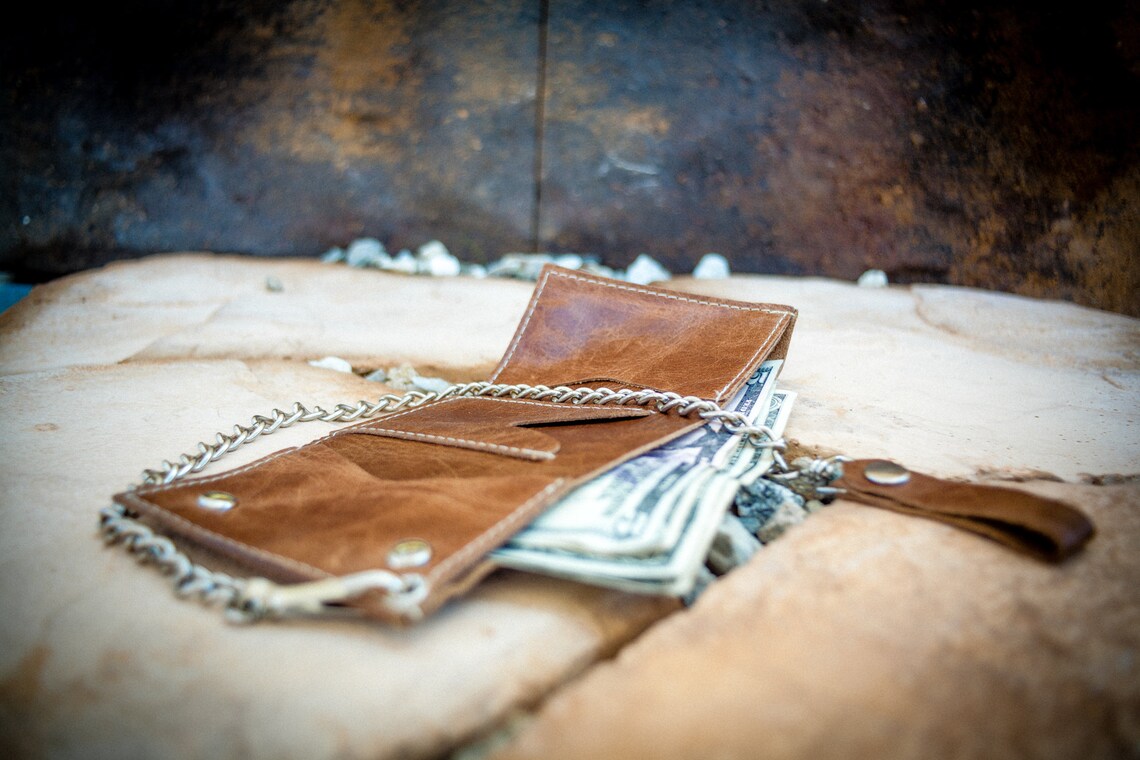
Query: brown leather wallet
x,y
434,489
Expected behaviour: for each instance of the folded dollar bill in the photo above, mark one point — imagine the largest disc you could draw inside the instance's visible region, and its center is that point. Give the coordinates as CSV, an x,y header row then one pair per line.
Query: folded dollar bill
x,y
647,524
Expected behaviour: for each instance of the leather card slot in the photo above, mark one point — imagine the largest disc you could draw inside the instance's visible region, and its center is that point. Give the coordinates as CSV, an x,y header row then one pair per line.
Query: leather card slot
x,y
510,427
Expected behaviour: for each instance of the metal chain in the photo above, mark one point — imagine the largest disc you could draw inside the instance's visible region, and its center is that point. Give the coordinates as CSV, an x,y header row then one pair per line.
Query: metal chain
x,y
255,598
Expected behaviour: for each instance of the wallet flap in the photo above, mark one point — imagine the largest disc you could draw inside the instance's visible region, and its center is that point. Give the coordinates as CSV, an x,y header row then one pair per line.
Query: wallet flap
x,y
581,328
310,512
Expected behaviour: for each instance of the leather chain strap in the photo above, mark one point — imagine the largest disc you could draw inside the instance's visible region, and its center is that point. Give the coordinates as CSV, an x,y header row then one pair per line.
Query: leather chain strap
x,y
248,600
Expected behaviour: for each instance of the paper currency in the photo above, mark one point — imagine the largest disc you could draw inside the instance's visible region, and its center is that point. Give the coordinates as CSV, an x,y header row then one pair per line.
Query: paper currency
x,y
631,508
671,572
744,461
647,525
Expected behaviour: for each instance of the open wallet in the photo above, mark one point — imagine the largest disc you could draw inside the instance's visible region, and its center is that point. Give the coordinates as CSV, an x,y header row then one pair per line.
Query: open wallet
x,y
398,513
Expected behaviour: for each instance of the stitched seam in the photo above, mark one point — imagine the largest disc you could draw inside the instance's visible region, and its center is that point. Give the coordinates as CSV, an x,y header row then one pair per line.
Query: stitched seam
x,y
764,348
482,445
165,487
493,535
690,299
449,400
629,410
405,412
469,441
526,324
633,289
547,404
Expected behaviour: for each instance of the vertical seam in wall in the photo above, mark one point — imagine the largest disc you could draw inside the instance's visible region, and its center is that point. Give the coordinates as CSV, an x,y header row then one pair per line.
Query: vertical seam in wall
x,y
539,125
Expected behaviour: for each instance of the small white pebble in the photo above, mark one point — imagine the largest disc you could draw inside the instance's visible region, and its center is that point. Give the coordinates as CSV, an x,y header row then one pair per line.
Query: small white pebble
x,y
646,269
443,267
872,278
430,384
401,377
434,259
366,252
334,363
405,378
404,262
431,249
569,260
712,266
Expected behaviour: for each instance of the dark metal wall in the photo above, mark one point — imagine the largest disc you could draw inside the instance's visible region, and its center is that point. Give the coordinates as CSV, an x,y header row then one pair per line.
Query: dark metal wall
x,y
995,145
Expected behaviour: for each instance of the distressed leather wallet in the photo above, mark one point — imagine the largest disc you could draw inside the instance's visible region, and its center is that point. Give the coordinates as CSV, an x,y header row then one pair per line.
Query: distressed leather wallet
x,y
432,490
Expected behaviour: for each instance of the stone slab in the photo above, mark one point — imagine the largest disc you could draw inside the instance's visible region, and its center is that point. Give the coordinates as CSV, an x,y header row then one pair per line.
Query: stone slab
x,y
862,633
201,306
860,630
97,656
957,381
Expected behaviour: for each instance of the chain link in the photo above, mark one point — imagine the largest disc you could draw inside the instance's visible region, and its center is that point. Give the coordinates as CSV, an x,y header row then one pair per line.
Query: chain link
x,y
256,598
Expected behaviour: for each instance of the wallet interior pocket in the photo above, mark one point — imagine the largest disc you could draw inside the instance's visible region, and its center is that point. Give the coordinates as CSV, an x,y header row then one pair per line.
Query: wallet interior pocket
x,y
518,428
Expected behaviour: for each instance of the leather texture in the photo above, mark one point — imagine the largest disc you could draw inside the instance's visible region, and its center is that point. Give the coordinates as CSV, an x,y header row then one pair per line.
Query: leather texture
x,y
464,474
1043,528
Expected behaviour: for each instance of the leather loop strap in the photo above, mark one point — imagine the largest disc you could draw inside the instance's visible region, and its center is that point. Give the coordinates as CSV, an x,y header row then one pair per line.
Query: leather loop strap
x,y
1047,529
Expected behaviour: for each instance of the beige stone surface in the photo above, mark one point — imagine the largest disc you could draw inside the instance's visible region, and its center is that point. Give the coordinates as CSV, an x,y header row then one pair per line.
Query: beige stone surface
x,y
864,633
861,632
97,656
953,380
200,306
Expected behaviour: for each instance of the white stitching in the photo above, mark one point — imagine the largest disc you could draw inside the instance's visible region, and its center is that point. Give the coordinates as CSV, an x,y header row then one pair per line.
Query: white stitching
x,y
553,404
164,487
493,534
631,288
764,348
620,286
562,406
476,444
486,445
525,324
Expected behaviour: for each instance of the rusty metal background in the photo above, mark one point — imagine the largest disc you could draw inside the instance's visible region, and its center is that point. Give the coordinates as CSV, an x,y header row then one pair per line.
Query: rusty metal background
x,y
993,145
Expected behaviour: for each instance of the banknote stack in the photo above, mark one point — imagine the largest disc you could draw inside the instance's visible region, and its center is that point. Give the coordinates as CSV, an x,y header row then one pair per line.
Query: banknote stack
x,y
646,525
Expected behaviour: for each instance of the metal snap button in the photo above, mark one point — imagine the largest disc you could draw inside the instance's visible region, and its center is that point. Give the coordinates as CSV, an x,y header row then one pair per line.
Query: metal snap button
x,y
886,473
219,501
411,552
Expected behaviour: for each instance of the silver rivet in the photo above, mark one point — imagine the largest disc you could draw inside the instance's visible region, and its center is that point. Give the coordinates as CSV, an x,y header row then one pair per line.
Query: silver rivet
x,y
219,501
886,473
411,552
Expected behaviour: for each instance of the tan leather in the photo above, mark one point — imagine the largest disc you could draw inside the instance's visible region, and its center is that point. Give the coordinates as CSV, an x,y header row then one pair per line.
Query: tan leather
x,y
1047,529
464,474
